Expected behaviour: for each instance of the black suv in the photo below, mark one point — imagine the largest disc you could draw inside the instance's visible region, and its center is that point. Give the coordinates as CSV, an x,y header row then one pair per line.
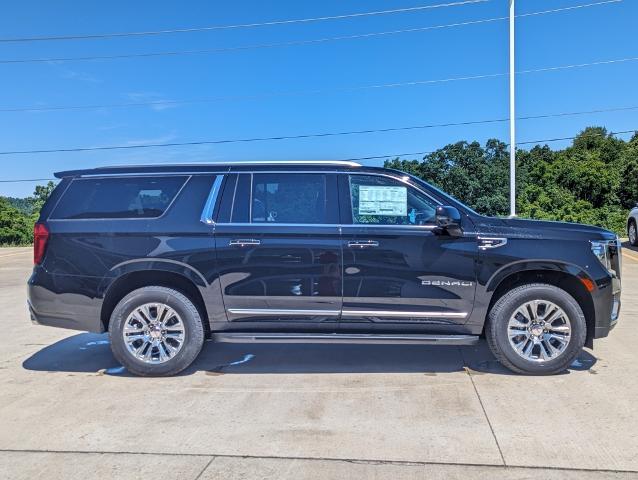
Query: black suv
x,y
165,256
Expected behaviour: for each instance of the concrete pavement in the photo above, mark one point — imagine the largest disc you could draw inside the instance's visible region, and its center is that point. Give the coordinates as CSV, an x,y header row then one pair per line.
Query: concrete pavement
x,y
67,410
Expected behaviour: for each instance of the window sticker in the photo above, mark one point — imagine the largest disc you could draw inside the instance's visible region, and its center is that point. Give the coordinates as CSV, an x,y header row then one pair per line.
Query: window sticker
x,y
388,201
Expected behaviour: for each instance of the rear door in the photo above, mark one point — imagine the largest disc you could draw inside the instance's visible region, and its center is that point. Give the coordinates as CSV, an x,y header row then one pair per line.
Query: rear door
x,y
279,250
398,268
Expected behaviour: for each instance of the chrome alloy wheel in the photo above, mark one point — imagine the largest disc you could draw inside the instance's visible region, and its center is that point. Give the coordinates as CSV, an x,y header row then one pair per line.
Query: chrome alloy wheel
x,y
632,233
154,333
539,330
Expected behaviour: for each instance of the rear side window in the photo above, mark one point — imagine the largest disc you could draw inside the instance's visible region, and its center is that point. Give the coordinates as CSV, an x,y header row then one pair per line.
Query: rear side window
x,y
290,198
125,197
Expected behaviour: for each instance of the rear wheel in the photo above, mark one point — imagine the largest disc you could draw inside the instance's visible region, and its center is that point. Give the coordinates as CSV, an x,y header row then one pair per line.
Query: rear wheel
x,y
536,329
632,232
156,331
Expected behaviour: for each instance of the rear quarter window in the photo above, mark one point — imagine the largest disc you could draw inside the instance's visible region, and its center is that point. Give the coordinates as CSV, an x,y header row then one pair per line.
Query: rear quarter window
x,y
125,197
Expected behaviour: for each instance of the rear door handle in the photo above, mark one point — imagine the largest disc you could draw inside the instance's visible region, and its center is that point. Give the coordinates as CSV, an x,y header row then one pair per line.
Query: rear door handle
x,y
242,242
363,244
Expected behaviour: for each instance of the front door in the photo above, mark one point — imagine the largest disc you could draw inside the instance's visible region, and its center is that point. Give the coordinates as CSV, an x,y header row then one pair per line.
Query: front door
x,y
398,267
279,254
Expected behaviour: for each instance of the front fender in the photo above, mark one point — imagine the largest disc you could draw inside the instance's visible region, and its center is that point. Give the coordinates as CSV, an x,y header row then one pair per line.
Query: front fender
x,y
492,283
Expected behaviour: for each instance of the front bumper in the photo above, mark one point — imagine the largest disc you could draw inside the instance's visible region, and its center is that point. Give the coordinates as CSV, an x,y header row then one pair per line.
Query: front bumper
x,y
607,302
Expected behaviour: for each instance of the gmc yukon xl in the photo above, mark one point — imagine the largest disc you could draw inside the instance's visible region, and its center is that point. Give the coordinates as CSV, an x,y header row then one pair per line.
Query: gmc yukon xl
x,y
164,257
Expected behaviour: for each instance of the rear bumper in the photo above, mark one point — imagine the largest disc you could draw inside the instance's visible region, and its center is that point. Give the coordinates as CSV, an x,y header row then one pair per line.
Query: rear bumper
x,y
63,301
70,322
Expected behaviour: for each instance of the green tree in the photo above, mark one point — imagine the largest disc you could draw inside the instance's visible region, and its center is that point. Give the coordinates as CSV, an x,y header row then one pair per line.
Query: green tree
x,y
40,195
476,175
16,228
594,181
16,225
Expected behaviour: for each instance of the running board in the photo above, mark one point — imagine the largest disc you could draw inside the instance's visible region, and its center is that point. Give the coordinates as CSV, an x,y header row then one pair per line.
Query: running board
x,y
345,338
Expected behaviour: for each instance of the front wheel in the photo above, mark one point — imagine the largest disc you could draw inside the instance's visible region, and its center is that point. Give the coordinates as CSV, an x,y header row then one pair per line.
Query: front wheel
x,y
536,329
156,331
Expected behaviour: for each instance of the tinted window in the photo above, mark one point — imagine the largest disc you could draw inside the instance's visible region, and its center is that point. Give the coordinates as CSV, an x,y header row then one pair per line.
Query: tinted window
x,y
386,201
289,198
125,197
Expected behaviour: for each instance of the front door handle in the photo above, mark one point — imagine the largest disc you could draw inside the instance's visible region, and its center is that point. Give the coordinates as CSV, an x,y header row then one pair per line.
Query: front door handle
x,y
243,242
363,244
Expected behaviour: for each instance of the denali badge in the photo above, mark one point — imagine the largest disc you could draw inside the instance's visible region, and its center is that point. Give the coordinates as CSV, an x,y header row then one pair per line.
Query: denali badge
x,y
446,283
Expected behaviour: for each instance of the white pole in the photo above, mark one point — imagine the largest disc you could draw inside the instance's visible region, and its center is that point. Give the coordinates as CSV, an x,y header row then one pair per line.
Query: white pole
x,y
512,116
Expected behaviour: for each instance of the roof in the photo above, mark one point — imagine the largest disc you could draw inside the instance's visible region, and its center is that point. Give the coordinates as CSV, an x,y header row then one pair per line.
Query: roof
x,y
205,167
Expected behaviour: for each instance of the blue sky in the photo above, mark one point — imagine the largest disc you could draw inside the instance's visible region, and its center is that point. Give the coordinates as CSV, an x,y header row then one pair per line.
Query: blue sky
x,y
585,35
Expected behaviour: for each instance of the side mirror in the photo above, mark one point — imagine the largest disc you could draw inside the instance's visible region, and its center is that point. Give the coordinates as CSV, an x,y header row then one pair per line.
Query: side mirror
x,y
449,220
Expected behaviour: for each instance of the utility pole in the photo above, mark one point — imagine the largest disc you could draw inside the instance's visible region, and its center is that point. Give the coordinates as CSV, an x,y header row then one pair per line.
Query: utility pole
x,y
512,115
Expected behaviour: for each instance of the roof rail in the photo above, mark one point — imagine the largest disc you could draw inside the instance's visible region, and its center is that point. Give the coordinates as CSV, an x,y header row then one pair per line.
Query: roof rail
x,y
295,162
345,163
117,169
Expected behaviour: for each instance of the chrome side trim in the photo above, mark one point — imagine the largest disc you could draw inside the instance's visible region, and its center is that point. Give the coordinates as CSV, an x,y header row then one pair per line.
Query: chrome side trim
x,y
274,224
345,338
209,206
375,225
346,313
282,312
394,313
333,225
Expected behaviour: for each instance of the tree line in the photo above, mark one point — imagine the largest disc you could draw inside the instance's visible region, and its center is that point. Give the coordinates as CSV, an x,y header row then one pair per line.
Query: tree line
x,y
17,216
594,181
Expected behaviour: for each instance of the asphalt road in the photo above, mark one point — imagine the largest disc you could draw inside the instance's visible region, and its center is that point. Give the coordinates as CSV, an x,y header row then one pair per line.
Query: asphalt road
x,y
67,410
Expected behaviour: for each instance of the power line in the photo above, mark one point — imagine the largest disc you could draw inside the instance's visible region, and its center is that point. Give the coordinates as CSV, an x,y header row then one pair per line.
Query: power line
x,y
248,47
396,155
313,135
559,139
250,140
529,142
160,103
254,97
295,42
244,25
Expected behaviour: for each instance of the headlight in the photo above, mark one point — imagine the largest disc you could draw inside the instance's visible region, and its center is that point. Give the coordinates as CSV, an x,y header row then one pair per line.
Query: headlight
x,y
602,250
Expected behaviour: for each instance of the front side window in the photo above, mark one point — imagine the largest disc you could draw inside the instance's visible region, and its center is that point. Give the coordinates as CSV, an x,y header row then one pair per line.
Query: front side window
x,y
124,197
289,198
381,200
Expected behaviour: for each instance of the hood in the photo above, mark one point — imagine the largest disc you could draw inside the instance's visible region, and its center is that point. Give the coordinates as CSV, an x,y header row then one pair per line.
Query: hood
x,y
541,229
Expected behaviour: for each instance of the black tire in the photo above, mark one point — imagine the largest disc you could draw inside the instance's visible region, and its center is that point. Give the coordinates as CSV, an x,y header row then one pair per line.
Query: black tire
x,y
634,242
182,305
496,329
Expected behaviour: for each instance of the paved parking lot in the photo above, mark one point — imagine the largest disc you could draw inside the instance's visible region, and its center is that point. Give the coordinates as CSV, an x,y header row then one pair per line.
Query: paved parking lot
x,y
67,410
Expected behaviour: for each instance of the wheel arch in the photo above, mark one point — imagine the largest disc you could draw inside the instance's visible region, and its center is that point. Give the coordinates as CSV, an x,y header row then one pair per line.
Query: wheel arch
x,y
128,281
566,277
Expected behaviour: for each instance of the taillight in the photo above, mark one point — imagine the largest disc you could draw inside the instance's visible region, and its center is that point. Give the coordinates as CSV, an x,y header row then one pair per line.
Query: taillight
x,y
40,239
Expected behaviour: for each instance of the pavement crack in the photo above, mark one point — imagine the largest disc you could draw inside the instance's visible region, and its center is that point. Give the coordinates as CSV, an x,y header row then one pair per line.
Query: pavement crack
x,y
487,418
205,468
320,459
